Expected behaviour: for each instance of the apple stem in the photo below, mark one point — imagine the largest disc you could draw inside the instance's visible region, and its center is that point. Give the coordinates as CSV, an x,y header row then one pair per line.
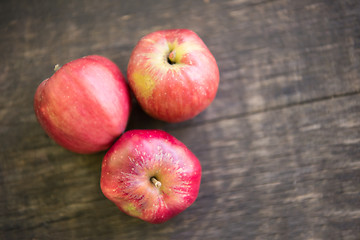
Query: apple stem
x,y
172,56
57,67
155,182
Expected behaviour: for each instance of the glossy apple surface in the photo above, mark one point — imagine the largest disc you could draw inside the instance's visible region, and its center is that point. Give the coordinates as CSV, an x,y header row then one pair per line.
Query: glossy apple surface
x,y
173,74
85,105
151,175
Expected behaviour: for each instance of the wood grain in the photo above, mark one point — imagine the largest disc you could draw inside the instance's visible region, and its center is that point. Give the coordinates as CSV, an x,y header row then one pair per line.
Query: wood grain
x,y
279,146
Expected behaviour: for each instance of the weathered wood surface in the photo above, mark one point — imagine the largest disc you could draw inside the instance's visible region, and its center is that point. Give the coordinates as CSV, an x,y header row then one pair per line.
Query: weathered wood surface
x,y
279,147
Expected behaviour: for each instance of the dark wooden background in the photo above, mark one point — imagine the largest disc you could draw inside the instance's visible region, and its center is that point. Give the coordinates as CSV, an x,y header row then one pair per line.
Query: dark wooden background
x,y
279,146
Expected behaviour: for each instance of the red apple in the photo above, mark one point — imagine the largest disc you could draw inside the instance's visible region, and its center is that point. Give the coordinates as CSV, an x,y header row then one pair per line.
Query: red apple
x,y
151,175
173,74
85,105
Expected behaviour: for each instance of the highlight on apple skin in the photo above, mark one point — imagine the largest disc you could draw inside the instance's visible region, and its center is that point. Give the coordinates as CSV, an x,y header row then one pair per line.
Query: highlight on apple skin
x,y
85,105
173,74
151,175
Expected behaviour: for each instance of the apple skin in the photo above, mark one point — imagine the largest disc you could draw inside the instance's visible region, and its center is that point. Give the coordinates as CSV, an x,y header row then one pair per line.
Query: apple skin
x,y
173,74
85,105
138,156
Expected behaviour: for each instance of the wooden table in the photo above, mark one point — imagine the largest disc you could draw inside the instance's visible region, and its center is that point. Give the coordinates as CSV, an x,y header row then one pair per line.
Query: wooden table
x,y
279,146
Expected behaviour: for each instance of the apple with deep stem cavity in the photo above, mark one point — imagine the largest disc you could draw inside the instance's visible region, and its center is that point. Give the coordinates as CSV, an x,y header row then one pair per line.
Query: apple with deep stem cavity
x,y
173,74
151,175
85,105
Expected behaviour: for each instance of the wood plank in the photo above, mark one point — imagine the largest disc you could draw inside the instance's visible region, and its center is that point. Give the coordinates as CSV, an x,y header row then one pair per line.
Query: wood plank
x,y
291,173
279,146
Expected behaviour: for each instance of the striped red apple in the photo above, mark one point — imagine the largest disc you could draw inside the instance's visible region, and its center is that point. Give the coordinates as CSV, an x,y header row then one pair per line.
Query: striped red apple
x,y
151,175
85,105
173,74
